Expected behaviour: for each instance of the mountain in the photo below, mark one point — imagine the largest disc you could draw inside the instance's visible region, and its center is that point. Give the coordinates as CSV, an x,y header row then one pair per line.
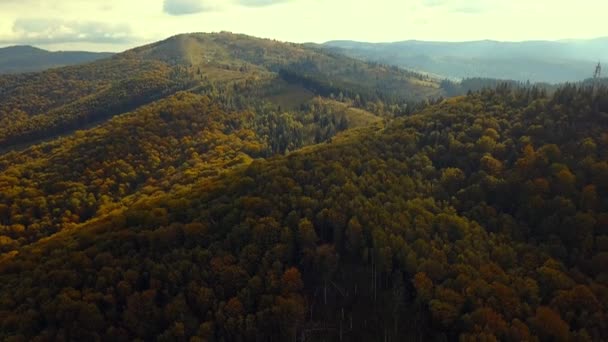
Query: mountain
x,y
245,202
228,97
18,59
37,106
535,61
480,217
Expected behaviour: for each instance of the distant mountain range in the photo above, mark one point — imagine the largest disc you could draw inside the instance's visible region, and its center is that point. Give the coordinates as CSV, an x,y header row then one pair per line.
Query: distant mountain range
x,y
16,59
536,61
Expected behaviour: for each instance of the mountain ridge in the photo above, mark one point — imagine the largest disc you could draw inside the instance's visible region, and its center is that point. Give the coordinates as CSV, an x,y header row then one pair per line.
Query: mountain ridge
x,y
199,61
535,61
566,40
27,58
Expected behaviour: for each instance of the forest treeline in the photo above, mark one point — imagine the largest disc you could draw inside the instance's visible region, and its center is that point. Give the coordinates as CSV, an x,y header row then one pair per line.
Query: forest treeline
x,y
475,84
483,217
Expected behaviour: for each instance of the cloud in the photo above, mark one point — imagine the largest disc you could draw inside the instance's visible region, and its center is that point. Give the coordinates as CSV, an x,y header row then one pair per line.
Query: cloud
x,y
461,6
434,3
470,9
260,3
184,7
56,31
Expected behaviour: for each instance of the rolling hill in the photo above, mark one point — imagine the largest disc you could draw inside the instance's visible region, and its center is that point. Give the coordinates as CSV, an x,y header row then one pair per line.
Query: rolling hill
x,y
36,106
18,59
535,61
240,189
246,107
482,217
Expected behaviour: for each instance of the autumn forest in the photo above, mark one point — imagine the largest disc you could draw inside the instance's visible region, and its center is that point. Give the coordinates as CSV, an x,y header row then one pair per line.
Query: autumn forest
x,y
220,187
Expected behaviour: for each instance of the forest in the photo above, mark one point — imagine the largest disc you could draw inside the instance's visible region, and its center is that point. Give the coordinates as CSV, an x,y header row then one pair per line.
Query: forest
x,y
207,216
54,186
236,69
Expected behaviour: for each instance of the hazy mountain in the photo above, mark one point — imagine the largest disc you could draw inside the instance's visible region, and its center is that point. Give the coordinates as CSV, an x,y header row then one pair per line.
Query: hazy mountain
x,y
16,59
537,61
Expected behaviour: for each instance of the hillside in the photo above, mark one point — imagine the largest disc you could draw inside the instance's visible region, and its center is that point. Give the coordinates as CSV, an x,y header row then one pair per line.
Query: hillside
x,y
479,218
535,61
236,111
240,69
18,59
172,142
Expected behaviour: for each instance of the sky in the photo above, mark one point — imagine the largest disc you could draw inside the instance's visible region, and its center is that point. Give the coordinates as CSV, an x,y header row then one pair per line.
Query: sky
x,y
116,25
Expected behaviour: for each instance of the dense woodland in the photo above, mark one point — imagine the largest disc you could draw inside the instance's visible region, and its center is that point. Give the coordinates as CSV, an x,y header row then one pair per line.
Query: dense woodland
x,y
482,217
42,105
39,106
172,142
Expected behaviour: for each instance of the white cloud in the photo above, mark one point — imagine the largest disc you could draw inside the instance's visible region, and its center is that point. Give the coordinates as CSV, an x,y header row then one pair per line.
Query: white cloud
x,y
44,31
65,26
183,7
464,6
260,3
434,3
